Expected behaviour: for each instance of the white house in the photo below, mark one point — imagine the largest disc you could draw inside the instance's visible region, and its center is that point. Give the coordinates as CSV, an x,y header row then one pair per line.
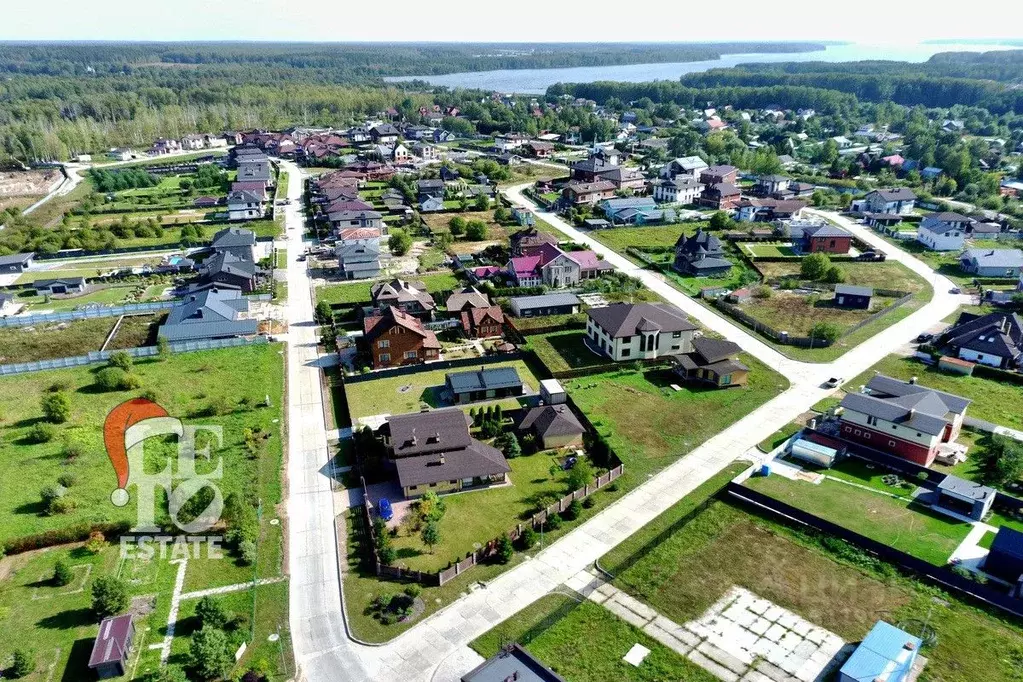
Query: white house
x,y
943,231
689,166
640,331
244,205
683,189
900,201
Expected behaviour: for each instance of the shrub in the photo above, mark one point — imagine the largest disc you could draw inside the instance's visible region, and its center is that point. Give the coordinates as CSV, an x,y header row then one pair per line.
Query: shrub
x,y
52,492
23,663
508,443
528,538
588,502
763,292
574,511
504,548
413,591
211,654
247,552
109,596
211,612
121,360
56,407
67,479
62,573
61,505
399,242
553,522
42,432
825,331
457,226
815,266
834,275
116,379
96,542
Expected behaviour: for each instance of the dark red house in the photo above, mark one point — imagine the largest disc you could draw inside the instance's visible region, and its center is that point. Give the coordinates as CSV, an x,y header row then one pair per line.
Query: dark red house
x,y
826,238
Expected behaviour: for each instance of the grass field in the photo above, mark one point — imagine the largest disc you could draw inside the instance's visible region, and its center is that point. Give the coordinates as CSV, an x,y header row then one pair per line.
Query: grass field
x,y
403,394
184,384
136,331
101,295
767,250
886,275
565,350
53,340
358,292
993,401
661,236
661,425
797,314
897,522
682,566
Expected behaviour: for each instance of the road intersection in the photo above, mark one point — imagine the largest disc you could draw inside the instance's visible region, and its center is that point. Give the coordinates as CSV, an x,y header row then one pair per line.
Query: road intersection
x,y
437,648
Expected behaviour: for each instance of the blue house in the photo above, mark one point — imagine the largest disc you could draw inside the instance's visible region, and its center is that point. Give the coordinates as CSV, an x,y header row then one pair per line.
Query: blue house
x,y
613,207
523,216
431,205
886,653
930,173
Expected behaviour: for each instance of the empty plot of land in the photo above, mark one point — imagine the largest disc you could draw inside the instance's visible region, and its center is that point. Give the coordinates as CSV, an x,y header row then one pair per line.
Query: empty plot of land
x,y
27,183
886,275
798,313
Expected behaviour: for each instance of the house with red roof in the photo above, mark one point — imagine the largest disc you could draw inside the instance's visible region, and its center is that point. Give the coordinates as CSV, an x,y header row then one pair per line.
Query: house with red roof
x,y
109,656
480,323
395,338
550,266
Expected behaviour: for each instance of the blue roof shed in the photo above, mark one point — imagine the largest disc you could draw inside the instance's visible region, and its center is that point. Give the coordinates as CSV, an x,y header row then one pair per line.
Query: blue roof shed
x,y
886,653
1005,559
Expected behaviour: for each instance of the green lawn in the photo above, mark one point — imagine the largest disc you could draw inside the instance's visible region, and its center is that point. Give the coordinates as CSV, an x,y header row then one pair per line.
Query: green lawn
x,y
438,281
562,351
886,275
185,385
768,250
358,292
778,437
403,394
994,401
660,236
53,340
103,295
479,516
660,424
797,313
584,642
897,522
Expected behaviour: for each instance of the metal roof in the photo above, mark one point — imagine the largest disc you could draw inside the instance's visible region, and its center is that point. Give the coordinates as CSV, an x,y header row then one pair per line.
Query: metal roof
x,y
483,379
546,300
1008,542
963,488
886,653
852,290
621,320
476,459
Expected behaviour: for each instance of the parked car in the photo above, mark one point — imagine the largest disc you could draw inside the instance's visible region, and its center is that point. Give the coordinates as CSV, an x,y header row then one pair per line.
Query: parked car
x,y
955,290
834,382
924,338
871,256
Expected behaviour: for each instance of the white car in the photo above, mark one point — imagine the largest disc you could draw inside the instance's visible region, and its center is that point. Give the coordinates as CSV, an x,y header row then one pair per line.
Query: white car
x,y
834,382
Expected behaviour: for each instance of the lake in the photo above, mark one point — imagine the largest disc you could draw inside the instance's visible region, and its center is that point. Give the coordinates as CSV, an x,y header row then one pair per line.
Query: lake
x,y
536,81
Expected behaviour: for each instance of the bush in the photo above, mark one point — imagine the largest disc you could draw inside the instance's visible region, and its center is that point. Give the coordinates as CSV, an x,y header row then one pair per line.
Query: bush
x,y
116,379
52,492
504,548
457,226
528,538
67,479
62,573
399,242
815,266
61,505
589,501
121,360
476,230
553,522
574,511
211,654
211,612
508,444
247,552
109,596
23,663
834,275
763,292
413,591
56,407
42,433
825,331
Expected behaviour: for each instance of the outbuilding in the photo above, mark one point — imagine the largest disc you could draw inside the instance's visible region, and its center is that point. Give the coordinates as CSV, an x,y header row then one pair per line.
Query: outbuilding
x,y
1005,558
886,653
548,304
113,643
66,285
552,392
486,383
16,262
853,297
963,497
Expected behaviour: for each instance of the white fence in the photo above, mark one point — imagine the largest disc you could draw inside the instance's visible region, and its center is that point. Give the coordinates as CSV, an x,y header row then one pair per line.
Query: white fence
x,y
144,352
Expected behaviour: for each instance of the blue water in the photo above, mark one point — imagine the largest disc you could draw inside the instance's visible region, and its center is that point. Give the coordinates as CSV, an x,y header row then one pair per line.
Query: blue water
x,y
538,80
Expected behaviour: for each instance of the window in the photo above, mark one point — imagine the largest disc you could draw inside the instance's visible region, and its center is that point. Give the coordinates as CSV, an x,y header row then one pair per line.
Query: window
x,y
433,485
411,355
866,435
891,444
384,343
676,335
626,352
385,357
872,421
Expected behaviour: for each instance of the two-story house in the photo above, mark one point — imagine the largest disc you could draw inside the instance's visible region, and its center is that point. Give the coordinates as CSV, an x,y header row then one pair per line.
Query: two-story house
x,y
244,205
687,166
681,189
897,201
825,238
394,338
701,255
943,231
902,418
639,331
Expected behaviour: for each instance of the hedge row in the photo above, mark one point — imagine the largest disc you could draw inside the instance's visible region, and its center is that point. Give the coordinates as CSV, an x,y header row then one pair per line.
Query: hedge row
x,y
62,536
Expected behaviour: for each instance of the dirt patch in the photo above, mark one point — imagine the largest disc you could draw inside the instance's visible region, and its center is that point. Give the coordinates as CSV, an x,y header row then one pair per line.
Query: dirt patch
x,y
27,183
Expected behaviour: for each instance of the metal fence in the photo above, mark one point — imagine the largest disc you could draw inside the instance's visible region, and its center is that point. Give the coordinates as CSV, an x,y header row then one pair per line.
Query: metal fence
x,y
87,313
143,352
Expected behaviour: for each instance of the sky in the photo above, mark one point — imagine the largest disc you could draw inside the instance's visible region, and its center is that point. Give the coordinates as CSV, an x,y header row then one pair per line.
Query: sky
x,y
497,21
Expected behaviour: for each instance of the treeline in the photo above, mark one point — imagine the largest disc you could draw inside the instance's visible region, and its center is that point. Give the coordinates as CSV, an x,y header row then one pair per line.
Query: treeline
x,y
1002,65
117,180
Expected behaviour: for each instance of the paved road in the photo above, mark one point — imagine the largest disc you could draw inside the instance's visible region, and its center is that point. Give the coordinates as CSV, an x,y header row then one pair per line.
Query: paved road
x,y
437,648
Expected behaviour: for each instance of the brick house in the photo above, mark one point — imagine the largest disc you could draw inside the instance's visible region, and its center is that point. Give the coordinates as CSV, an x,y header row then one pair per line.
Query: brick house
x,y
395,338
825,239
480,323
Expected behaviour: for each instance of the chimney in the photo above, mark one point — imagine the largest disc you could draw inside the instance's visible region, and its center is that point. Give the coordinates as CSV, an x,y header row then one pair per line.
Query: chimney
x,y
912,380
442,458
909,646
415,441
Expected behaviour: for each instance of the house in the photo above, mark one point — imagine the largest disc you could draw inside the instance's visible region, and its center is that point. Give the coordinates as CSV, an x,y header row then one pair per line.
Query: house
x,y
588,193
121,154
165,146
427,152
483,323
613,208
769,210
992,262
358,218
359,261
769,185
943,231
899,200
995,339
211,313
687,166
236,240
506,142
396,338
205,202
553,426
59,286
962,497
701,255
523,216
886,654
639,331
434,452
430,188
825,238
527,271
529,241
681,189
903,418
109,657
539,150
255,170
226,268
431,205
853,297
16,262
712,361
1005,558
547,304
408,296
244,205
512,663
257,188
385,133
716,175
485,383
467,298
721,196
353,236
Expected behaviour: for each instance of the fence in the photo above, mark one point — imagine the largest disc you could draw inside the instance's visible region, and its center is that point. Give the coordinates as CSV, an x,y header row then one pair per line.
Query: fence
x,y
940,576
143,352
880,313
432,366
87,313
769,332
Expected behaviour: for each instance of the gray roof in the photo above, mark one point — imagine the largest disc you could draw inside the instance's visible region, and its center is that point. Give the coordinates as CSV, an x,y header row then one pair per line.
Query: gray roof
x,y
825,230
401,291
425,432
995,258
16,258
552,420
483,379
358,253
627,319
227,262
967,489
999,334
886,385
715,350
896,194
70,281
231,237
476,459
852,290
354,215
243,196
513,663
546,300
915,406
209,314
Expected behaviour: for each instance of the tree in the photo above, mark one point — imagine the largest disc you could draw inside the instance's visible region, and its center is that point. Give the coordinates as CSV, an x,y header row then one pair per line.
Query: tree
x,y
109,596
476,230
23,663
834,275
121,360
574,511
719,221
457,226
500,214
1003,460
482,202
825,331
62,573
431,507
399,242
56,407
580,474
211,612
815,266
211,654
116,379
528,537
508,443
171,673
324,314
430,535
504,548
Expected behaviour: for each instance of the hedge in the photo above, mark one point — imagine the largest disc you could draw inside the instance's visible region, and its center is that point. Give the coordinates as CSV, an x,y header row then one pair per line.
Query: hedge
x,y
997,374
63,536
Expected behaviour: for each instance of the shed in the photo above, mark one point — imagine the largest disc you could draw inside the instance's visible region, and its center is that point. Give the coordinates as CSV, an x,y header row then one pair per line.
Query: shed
x,y
16,262
849,296
109,656
1005,559
886,653
66,285
551,392
512,663
486,383
963,497
554,426
548,304
814,453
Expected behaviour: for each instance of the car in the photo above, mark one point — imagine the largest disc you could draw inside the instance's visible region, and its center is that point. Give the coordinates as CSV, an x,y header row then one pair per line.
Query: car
x,y
955,290
834,382
924,338
301,257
